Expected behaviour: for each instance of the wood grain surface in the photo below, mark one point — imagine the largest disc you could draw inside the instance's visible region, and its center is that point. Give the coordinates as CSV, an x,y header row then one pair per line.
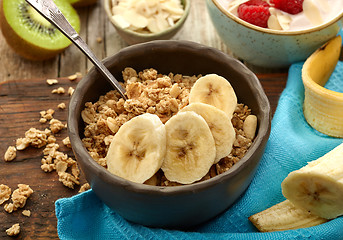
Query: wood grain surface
x,y
20,104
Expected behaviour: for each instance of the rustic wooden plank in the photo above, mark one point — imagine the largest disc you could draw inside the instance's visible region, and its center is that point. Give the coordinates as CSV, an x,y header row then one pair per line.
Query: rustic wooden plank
x,y
113,42
273,84
95,31
15,67
72,59
20,104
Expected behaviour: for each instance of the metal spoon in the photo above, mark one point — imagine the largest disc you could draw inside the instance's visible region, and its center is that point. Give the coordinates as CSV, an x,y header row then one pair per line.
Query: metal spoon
x,y
49,10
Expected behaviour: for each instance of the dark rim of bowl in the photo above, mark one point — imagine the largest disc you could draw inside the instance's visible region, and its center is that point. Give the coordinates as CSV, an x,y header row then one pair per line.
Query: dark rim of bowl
x,y
276,32
186,4
105,175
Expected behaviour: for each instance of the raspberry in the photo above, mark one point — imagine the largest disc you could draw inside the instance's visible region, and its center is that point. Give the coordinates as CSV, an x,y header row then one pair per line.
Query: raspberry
x,y
289,6
255,12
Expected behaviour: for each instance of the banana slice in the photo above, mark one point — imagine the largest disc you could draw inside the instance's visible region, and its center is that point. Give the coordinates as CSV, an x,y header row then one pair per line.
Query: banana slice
x,y
190,148
216,91
220,125
138,148
284,216
323,107
318,187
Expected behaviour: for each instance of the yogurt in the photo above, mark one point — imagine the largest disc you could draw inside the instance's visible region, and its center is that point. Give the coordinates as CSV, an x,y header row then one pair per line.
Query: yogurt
x,y
315,13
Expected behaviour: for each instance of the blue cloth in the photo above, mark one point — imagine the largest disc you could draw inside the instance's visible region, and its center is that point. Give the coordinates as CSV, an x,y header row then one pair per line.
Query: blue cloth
x,y
291,145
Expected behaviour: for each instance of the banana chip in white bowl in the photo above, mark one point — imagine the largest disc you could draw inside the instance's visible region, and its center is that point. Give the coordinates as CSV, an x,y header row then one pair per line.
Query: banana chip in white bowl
x,y
138,21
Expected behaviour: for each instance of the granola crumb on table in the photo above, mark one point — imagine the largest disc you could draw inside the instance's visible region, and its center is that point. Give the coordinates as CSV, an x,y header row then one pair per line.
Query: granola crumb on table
x,y
59,90
84,187
26,213
19,197
5,193
10,154
151,92
14,230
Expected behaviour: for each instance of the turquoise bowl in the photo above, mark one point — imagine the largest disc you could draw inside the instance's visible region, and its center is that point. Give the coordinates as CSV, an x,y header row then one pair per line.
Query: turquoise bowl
x,y
266,47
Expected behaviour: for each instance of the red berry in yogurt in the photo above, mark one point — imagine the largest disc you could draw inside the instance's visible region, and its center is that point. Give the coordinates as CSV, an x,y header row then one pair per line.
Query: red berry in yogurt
x,y
289,6
255,12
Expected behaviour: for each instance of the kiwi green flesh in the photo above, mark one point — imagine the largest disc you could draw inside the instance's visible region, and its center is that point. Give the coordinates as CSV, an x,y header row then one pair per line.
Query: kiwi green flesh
x,y
82,3
18,16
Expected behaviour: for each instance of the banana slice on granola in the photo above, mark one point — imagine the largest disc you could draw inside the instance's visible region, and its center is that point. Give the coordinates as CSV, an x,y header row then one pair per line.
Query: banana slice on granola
x,y
138,148
190,148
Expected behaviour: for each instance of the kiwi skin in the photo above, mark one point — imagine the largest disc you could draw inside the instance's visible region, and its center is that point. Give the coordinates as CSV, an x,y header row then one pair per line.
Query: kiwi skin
x,y
82,3
21,46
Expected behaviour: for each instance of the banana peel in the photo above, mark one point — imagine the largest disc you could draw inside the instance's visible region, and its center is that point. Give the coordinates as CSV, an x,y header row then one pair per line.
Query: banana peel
x,y
323,108
284,216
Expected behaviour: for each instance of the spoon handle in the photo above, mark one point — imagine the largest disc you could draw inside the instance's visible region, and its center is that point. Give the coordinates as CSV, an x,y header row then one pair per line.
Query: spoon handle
x,y
49,10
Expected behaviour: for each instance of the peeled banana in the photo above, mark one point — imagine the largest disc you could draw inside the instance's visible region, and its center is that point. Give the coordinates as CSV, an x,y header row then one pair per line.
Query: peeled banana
x,y
220,125
284,216
191,149
214,90
323,108
318,186
138,148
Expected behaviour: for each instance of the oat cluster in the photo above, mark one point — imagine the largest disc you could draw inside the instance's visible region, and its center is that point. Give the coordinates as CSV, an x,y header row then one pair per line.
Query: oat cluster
x,y
19,197
14,230
151,92
18,200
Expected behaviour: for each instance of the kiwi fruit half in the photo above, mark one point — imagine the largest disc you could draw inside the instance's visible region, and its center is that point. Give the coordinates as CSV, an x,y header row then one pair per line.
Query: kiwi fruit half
x,y
82,3
30,34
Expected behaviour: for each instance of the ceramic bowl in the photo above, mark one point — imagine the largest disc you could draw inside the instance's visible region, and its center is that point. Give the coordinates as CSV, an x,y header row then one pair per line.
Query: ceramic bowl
x,y
132,37
266,47
177,206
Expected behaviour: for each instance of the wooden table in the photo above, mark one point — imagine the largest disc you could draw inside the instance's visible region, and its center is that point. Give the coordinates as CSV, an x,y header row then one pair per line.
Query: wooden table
x,y
24,93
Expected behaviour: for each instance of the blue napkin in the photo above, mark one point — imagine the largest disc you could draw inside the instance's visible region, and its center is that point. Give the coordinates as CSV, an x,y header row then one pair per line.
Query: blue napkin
x,y
291,145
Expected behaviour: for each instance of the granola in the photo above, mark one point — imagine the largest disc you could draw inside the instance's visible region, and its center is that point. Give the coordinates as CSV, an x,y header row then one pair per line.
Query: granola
x,y
84,187
56,125
62,106
60,162
10,154
33,137
14,230
19,197
5,193
70,91
46,115
51,81
151,92
26,213
59,90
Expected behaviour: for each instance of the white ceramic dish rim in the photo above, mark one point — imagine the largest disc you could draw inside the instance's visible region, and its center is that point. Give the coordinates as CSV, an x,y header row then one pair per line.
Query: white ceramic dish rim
x,y
276,32
177,24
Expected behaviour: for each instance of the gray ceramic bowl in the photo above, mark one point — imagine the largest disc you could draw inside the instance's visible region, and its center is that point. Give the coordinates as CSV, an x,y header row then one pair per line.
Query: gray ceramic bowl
x,y
132,37
266,47
180,206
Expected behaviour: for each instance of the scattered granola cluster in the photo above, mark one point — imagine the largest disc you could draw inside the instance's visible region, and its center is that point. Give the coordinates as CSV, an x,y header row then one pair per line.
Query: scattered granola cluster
x,y
53,160
18,198
14,230
151,92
